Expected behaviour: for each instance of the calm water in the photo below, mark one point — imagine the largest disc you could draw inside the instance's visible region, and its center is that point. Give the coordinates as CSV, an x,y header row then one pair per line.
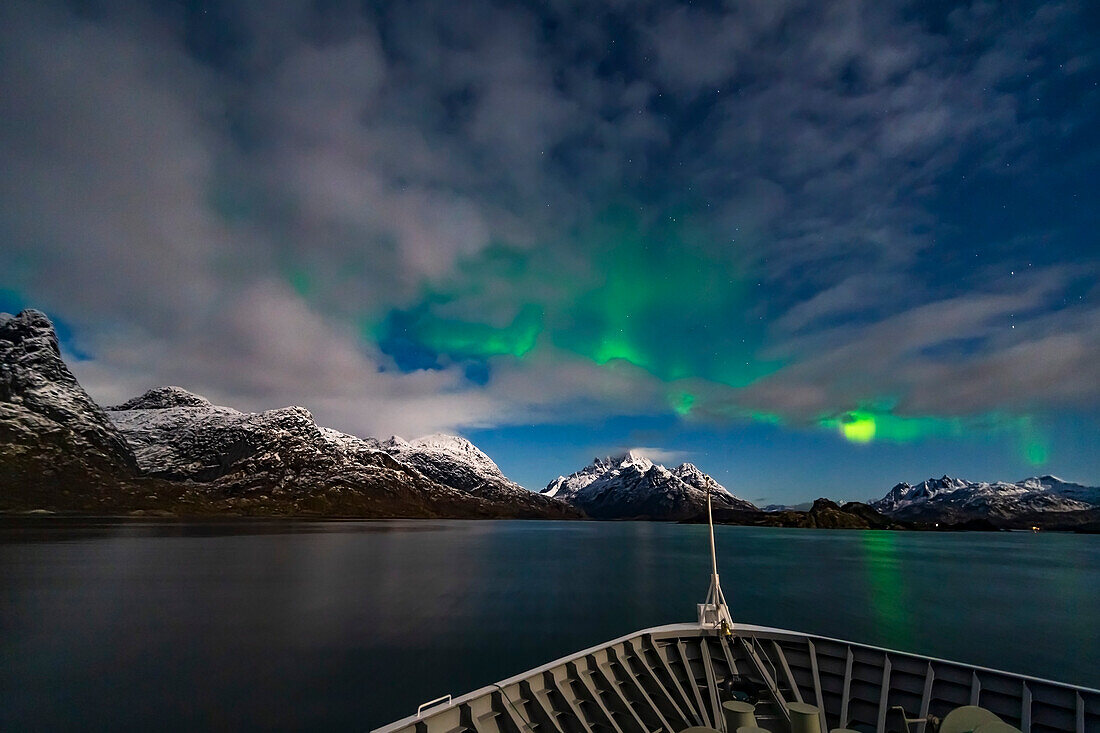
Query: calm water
x,y
353,624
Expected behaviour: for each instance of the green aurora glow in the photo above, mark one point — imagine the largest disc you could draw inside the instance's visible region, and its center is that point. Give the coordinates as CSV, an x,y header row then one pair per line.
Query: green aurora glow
x,y
482,340
647,295
650,297
661,303
682,403
865,425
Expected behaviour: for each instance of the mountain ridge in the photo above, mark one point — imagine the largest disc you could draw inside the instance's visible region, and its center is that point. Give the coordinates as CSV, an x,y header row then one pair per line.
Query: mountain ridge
x,y
631,486
952,500
455,461
170,450
52,434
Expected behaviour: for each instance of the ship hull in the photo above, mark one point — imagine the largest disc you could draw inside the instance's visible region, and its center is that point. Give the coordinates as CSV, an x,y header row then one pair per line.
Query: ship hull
x,y
671,678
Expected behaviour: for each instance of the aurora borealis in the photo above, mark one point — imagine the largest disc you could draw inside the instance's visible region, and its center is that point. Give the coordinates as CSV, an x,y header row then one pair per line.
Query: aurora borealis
x,y
815,248
644,297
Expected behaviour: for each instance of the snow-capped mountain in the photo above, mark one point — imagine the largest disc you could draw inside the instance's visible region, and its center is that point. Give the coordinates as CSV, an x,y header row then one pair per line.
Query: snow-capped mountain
x,y
1065,489
632,486
277,460
454,461
53,436
449,459
171,450
949,499
178,435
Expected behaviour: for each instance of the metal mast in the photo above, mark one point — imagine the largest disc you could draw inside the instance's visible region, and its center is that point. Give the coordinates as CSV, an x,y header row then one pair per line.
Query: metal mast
x,y
714,612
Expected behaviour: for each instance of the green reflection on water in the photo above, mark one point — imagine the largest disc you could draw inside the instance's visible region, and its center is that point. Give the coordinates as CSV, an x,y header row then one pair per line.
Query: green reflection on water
x,y
887,588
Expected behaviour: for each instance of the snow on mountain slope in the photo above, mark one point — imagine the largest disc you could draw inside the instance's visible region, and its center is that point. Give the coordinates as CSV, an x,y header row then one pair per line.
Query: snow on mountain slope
x,y
454,461
949,499
451,457
51,431
173,451
632,486
178,435
1066,489
348,443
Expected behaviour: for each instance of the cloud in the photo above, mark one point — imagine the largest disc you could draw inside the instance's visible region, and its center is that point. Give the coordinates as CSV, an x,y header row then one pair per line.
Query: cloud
x,y
662,456
972,353
240,201
106,154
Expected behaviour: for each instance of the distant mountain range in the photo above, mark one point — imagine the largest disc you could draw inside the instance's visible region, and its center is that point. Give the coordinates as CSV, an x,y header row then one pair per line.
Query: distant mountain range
x,y
953,500
631,486
174,452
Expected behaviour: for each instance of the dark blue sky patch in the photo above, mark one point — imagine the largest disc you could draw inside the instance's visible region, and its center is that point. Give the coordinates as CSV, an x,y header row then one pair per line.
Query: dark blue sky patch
x,y
397,338
478,372
13,302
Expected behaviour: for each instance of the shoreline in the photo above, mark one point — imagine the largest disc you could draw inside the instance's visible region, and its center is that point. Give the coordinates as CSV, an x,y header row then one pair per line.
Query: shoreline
x,y
33,516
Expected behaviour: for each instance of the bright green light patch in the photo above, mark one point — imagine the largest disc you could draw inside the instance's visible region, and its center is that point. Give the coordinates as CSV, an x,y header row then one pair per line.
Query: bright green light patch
x,y
859,430
866,425
857,426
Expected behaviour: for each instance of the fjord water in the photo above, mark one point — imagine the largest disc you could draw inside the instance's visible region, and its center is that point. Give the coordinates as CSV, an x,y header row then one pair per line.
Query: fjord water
x,y
332,625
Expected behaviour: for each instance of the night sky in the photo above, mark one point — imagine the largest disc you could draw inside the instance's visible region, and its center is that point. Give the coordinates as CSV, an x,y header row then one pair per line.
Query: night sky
x,y
814,247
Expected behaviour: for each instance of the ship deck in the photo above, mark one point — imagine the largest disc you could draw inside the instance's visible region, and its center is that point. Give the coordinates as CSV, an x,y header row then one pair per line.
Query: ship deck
x,y
671,678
